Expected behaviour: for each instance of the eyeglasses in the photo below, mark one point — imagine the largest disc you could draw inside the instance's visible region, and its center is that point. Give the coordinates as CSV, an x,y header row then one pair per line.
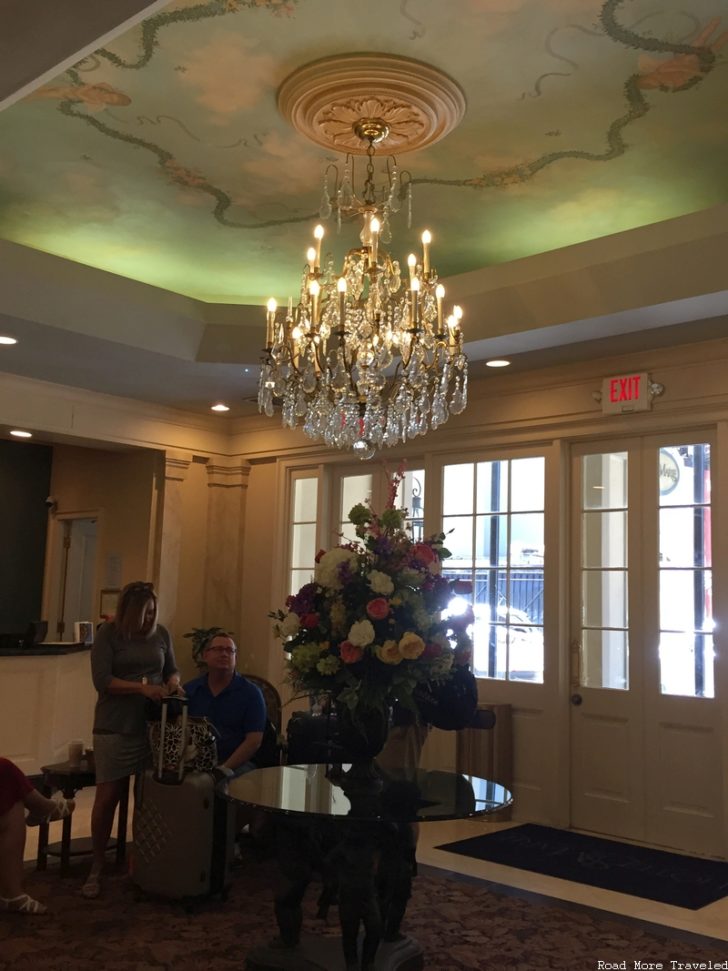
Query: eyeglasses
x,y
222,650
141,585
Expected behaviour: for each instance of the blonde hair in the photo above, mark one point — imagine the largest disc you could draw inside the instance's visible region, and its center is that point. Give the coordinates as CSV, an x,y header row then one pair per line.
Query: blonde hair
x,y
132,606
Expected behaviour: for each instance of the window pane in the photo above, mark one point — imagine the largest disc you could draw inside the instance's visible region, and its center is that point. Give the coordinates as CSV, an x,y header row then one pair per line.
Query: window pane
x,y
604,539
457,489
686,665
684,475
507,552
527,483
354,489
604,598
298,578
526,596
459,537
685,536
492,486
303,545
527,538
305,493
491,543
604,659
686,602
525,654
604,481
411,496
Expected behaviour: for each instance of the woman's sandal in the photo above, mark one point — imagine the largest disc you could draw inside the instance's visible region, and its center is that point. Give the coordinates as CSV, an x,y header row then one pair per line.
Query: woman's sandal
x,y
63,808
22,904
92,888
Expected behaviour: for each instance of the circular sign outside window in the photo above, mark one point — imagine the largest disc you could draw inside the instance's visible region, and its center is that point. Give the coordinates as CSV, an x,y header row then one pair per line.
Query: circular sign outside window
x,y
669,472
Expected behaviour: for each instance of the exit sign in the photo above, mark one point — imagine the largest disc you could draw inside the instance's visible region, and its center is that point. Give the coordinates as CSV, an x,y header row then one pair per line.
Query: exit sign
x,y
625,393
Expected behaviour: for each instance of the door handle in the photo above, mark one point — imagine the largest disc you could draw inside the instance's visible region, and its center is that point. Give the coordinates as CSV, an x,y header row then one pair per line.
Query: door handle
x,y
576,699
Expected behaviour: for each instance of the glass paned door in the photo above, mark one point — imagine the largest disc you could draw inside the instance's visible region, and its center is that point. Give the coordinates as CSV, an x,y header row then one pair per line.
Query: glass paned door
x,y
646,734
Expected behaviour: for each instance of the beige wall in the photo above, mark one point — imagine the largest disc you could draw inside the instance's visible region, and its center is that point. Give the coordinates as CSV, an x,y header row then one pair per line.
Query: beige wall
x,y
257,654
193,553
119,487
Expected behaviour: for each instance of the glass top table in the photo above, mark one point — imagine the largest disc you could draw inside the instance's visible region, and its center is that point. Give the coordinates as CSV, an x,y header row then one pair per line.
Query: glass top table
x,y
354,825
420,795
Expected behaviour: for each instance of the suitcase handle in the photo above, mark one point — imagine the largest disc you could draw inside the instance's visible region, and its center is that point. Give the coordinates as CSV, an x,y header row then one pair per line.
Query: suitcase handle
x,y
162,737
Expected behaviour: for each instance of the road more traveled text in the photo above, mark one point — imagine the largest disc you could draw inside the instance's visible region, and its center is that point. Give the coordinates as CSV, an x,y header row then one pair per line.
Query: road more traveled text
x,y
662,965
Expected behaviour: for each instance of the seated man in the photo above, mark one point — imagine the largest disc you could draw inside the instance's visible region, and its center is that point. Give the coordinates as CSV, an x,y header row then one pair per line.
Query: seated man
x,y
233,705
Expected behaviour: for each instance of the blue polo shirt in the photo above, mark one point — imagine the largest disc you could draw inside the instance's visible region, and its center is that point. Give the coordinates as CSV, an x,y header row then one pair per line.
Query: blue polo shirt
x,y
238,710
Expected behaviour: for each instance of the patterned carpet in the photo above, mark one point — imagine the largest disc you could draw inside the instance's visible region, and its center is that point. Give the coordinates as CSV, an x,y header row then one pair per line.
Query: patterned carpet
x,y
461,924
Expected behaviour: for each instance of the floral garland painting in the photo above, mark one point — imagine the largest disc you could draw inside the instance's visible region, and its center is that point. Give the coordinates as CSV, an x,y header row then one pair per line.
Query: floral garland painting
x,y
368,629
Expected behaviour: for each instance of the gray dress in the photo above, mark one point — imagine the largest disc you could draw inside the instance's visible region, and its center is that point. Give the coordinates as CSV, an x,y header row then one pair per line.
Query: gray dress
x,y
120,735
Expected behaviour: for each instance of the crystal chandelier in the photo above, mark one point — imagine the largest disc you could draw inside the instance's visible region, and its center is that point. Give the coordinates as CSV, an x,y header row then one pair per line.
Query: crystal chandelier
x,y
365,359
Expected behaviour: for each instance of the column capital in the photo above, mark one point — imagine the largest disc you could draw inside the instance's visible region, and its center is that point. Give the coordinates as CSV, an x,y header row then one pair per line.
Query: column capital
x,y
228,476
176,465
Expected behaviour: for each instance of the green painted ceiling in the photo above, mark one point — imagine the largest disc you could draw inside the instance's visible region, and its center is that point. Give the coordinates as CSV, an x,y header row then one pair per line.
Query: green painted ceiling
x,y
163,157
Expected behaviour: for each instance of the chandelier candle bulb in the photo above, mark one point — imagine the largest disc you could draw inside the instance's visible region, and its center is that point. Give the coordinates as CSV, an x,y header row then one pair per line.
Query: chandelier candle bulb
x,y
318,235
314,289
412,264
439,295
415,288
311,260
426,240
270,322
341,287
374,227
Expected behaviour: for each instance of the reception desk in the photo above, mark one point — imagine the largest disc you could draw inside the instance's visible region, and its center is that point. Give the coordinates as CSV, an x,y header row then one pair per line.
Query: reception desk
x,y
46,700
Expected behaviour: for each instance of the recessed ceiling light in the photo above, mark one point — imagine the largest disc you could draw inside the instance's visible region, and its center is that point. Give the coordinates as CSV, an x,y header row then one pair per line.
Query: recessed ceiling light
x,y
21,434
220,407
4,339
499,362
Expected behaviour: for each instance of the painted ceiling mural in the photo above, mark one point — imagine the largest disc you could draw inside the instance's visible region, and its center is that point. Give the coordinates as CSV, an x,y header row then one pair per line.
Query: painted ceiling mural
x,y
163,156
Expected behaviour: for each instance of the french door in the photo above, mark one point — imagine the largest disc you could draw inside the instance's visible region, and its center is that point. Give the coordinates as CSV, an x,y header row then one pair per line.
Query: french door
x,y
646,747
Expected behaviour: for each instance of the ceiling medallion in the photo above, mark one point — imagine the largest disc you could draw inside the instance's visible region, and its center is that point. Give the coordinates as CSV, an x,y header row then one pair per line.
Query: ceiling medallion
x,y
365,359
324,99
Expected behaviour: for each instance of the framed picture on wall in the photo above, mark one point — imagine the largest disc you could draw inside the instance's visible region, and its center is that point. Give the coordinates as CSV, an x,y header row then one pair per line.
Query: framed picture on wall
x,y
107,601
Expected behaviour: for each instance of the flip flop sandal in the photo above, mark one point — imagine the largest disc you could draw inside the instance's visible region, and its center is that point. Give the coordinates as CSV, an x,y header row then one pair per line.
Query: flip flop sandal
x,y
22,904
63,808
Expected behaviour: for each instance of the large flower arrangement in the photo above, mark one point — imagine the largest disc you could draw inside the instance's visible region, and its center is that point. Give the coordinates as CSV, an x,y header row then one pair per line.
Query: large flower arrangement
x,y
368,630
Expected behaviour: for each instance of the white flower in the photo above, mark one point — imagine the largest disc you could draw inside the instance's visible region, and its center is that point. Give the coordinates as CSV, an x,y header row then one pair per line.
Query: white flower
x,y
381,582
361,633
327,572
435,567
290,625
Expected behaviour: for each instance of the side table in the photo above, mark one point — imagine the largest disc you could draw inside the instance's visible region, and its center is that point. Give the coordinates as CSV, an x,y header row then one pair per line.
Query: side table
x,y
69,779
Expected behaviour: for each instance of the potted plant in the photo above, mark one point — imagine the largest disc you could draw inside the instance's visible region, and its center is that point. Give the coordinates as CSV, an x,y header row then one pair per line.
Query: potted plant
x,y
199,637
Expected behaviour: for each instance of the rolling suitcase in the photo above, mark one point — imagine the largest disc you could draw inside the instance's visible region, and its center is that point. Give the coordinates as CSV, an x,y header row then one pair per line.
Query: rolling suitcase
x,y
183,833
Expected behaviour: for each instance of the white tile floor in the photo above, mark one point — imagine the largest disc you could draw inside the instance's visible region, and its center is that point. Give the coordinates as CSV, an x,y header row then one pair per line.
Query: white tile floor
x,y
711,920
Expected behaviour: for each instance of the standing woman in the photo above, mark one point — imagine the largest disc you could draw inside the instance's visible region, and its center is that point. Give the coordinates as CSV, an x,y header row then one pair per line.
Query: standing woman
x,y
132,662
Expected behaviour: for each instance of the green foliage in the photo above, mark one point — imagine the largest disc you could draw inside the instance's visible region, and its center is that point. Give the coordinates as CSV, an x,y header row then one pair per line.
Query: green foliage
x,y
199,637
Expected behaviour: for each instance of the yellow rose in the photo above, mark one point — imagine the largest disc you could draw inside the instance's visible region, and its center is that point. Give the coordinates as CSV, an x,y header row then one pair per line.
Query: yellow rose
x,y
388,653
411,645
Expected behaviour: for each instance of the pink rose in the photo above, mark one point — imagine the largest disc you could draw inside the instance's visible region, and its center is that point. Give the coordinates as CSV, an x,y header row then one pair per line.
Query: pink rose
x,y
378,608
317,558
309,621
424,553
350,653
461,587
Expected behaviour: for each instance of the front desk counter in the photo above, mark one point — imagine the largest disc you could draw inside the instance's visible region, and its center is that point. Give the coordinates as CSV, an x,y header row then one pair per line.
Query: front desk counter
x,y
47,699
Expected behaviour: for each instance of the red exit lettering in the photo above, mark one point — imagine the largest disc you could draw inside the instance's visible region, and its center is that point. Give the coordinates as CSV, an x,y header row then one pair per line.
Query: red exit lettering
x,y
625,389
